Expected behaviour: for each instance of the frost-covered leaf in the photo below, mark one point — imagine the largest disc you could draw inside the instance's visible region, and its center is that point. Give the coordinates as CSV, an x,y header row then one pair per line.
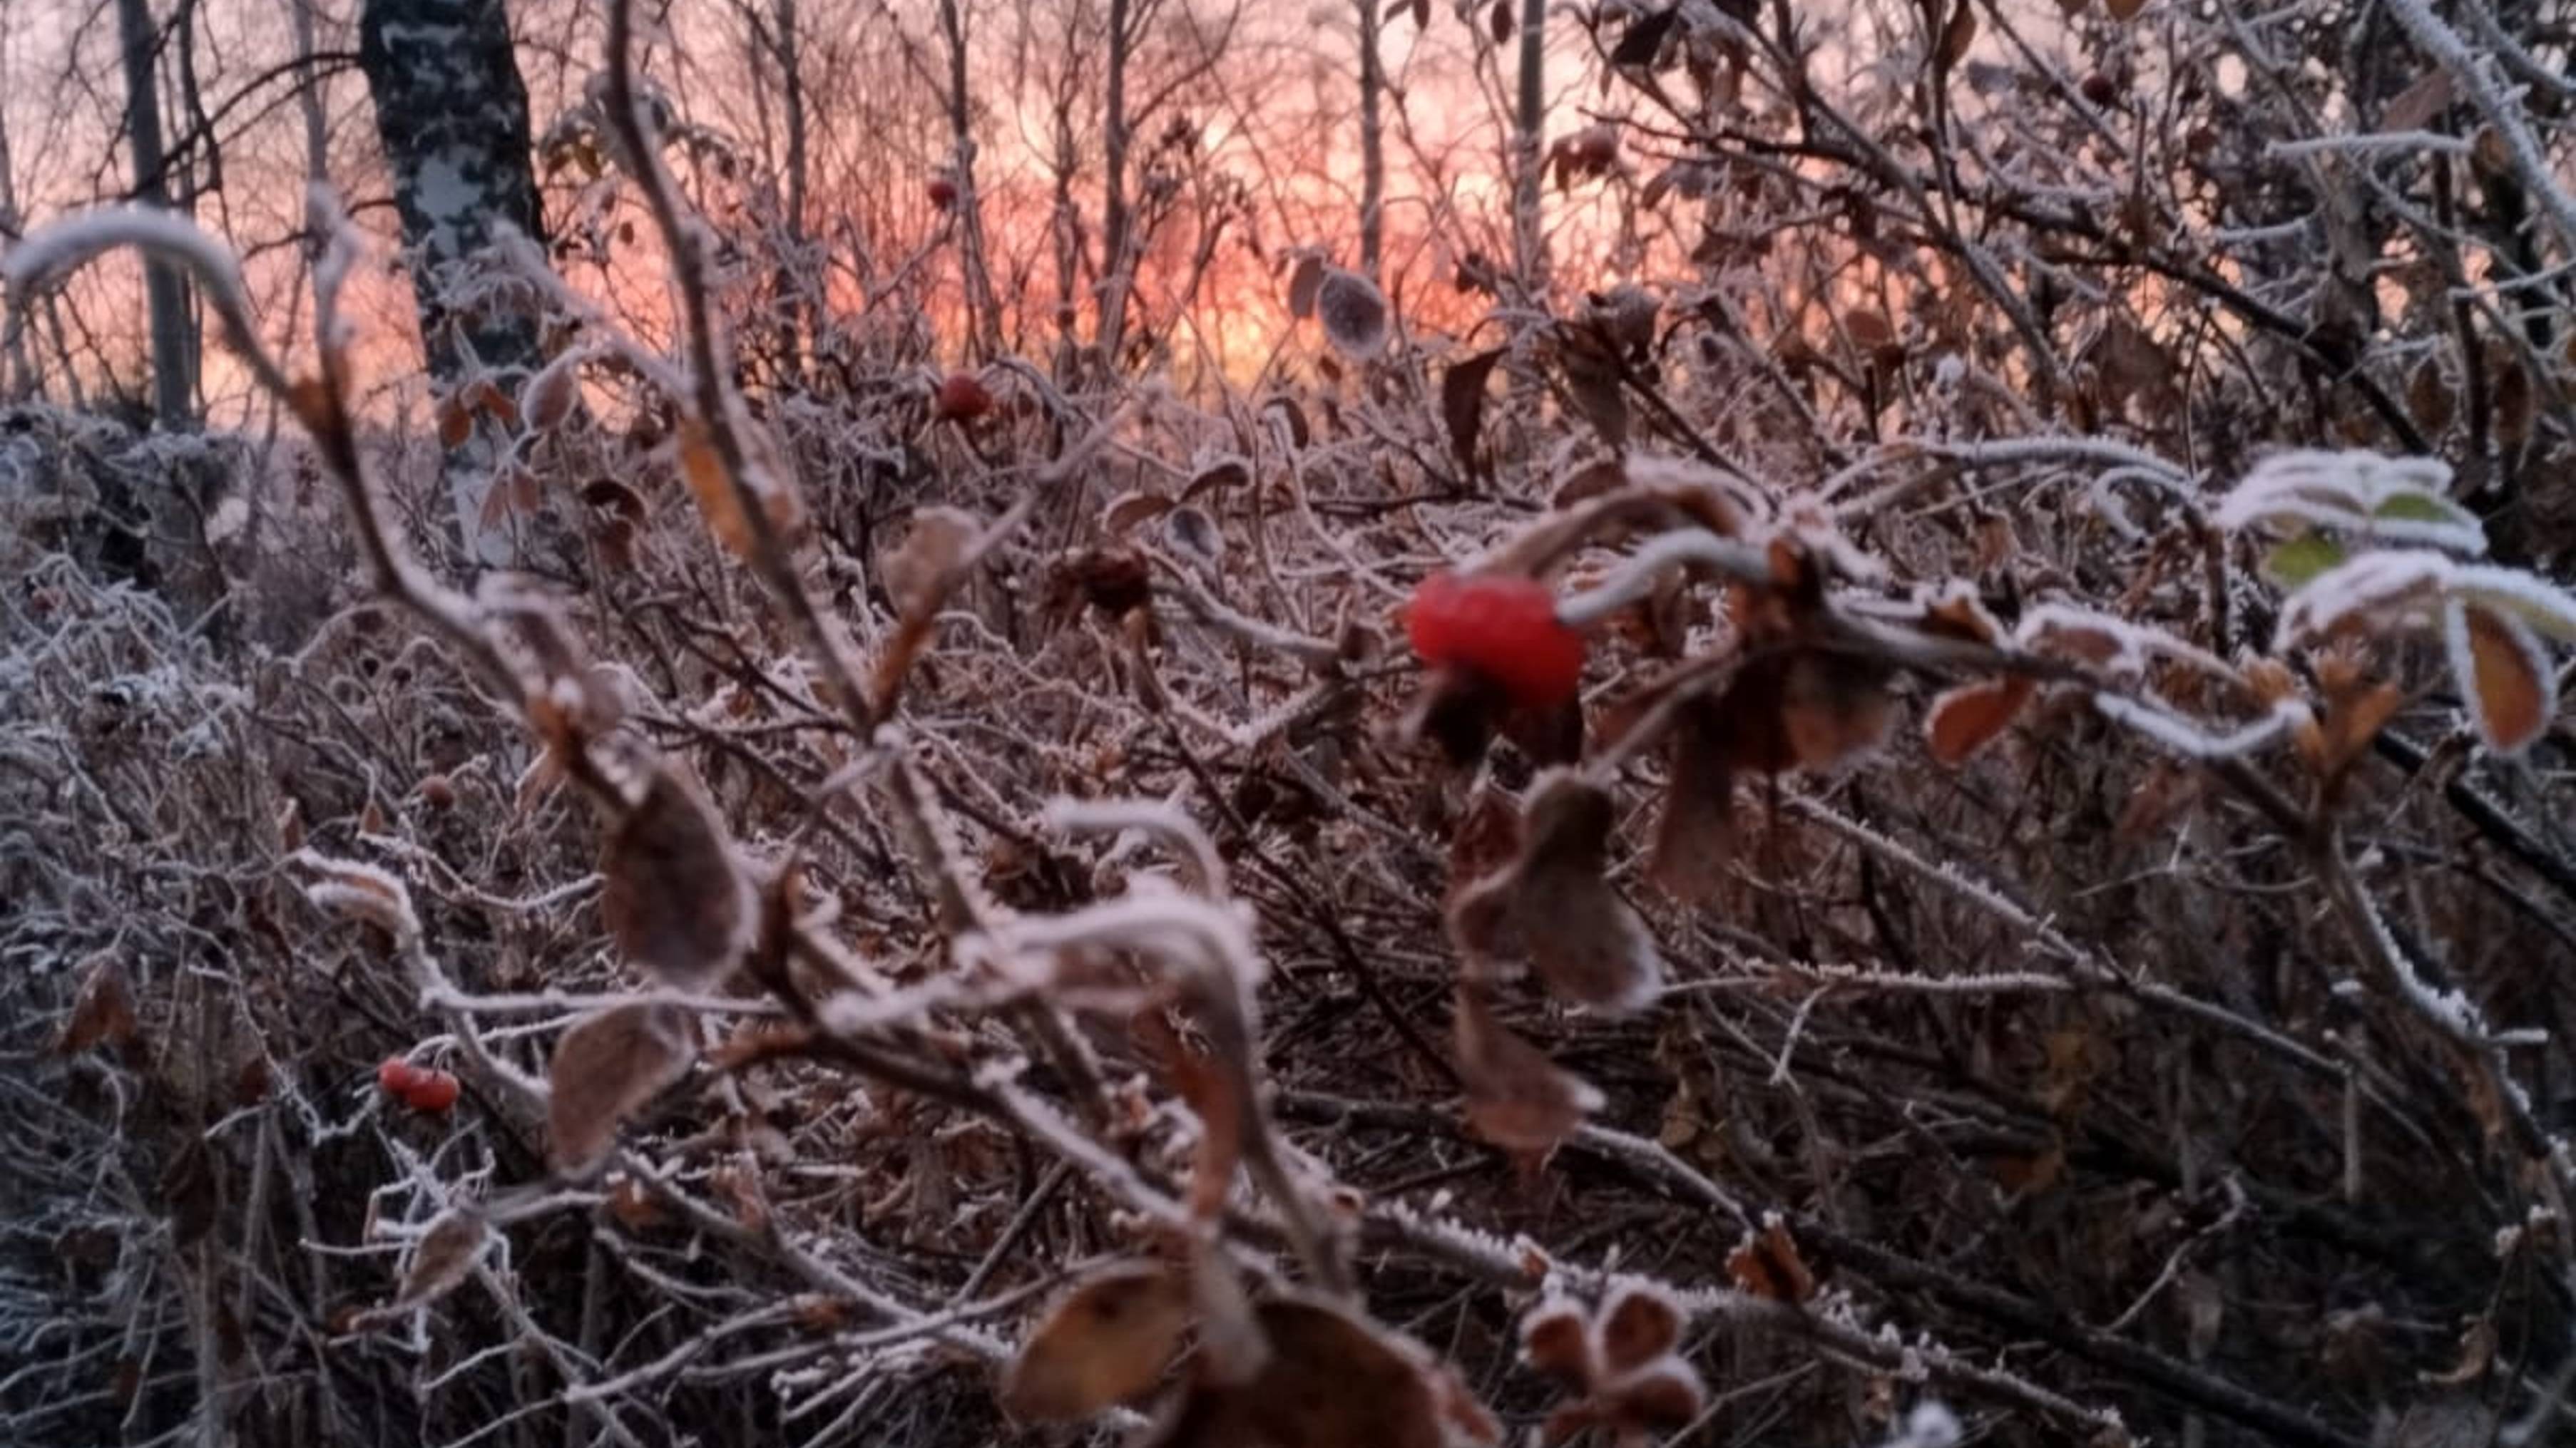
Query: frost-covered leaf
x,y
2396,501
1966,718
1637,1323
1660,1396
1131,508
605,1069
1517,1098
1556,1339
1554,906
2297,562
671,893
1107,1341
1354,314
548,397
2503,673
444,1258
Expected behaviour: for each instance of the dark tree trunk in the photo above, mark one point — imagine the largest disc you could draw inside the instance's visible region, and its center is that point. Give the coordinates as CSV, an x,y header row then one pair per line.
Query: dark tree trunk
x,y
453,115
173,367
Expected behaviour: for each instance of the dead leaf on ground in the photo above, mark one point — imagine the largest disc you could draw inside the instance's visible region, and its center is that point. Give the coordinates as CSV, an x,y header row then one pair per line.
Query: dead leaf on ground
x,y
1767,1264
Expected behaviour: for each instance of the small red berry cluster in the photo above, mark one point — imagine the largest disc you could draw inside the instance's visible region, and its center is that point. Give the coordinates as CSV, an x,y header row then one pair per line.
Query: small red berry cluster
x,y
420,1088
1501,629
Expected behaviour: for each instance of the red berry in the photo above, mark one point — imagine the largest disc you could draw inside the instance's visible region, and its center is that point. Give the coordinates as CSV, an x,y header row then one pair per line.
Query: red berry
x,y
943,192
397,1076
961,398
1505,629
432,1093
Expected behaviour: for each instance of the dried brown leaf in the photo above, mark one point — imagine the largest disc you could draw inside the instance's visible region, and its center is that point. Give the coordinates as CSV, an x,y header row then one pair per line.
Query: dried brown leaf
x,y
607,1067
671,893
102,1011
443,1258
1637,1324
1958,35
1107,1341
1517,1098
1556,1339
712,485
1695,833
1462,406
1664,1394
1335,1382
2503,673
1303,283
1968,717
1553,904
1767,1264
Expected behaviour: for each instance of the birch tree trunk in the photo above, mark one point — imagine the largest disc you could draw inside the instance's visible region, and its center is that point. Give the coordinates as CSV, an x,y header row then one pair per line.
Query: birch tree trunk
x,y
453,115
174,371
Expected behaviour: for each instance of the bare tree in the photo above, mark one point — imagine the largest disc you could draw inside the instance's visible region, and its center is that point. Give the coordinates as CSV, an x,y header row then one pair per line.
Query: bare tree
x,y
174,367
453,116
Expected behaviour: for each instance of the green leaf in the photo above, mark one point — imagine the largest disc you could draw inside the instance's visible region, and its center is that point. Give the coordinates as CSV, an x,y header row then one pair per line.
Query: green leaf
x,y
2300,559
2413,507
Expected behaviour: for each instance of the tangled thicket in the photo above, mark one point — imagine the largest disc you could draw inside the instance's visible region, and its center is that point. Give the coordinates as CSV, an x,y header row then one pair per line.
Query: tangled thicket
x,y
957,912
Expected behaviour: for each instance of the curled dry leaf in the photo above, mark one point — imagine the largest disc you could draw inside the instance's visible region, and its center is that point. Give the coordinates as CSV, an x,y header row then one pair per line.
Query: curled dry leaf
x,y
1217,475
1107,1341
1303,283
444,1257
2503,673
1968,717
605,1069
1554,906
1354,314
1131,508
671,893
1462,406
1767,1264
1517,1098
